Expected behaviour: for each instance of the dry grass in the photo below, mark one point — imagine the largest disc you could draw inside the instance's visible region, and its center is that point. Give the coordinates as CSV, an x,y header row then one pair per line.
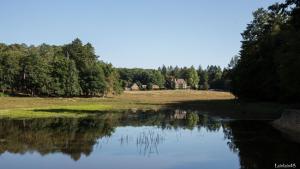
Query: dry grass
x,y
176,95
127,99
214,102
22,107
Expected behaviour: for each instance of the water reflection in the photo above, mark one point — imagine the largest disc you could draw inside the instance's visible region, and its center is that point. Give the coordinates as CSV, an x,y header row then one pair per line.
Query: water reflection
x,y
76,137
147,142
69,136
257,143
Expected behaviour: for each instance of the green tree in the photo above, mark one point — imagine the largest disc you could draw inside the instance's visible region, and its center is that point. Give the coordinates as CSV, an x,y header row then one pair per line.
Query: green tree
x,y
64,77
69,70
269,63
215,77
157,78
112,77
34,73
203,78
192,78
91,75
10,69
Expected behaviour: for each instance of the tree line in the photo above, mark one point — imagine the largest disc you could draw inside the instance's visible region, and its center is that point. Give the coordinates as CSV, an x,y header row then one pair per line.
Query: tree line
x,y
75,70
141,77
213,77
268,66
68,70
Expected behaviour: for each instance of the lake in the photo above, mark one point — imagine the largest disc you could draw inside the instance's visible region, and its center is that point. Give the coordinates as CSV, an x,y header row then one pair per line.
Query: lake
x,y
167,139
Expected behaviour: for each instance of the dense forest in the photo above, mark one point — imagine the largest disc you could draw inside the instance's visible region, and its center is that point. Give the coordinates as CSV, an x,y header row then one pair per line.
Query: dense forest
x,y
75,70
213,77
69,70
268,67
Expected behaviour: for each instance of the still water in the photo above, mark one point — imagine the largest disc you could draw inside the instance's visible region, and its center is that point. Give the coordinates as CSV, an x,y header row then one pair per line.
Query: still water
x,y
173,139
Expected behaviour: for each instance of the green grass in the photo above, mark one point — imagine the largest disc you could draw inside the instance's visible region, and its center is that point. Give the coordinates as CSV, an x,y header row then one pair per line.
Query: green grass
x,y
55,111
35,107
216,103
3,94
25,114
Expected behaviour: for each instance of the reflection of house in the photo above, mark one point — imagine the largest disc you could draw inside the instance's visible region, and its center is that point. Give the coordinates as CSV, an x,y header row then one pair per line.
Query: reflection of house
x,y
135,87
179,84
155,87
179,114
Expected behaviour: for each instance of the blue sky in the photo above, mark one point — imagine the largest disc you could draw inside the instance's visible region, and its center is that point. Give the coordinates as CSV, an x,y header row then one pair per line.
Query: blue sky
x,y
134,33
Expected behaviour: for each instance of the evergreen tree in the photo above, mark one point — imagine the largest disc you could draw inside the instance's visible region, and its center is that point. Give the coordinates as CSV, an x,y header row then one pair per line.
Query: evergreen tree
x,y
269,59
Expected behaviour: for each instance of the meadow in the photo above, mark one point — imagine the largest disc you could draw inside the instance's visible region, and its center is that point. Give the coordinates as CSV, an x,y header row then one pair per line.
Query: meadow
x,y
215,102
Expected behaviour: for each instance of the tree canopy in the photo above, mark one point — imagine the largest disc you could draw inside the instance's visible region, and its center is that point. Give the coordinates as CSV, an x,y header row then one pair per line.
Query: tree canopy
x,y
211,77
268,67
69,70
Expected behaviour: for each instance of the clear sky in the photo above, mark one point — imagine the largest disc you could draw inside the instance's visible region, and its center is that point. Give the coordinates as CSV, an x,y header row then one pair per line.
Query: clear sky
x,y
134,33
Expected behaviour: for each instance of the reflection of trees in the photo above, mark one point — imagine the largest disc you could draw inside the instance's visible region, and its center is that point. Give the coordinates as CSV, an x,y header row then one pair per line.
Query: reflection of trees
x,y
192,120
69,136
76,137
208,123
259,145
168,119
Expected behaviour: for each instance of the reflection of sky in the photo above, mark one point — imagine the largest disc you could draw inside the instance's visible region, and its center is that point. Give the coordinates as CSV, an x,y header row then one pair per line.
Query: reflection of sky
x,y
177,149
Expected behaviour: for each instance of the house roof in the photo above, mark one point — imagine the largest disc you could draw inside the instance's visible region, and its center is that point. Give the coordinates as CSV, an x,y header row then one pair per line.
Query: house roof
x,y
134,85
180,81
155,86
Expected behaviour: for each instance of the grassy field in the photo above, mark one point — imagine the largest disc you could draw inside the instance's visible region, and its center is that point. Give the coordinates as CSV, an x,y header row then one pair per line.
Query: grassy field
x,y
211,101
